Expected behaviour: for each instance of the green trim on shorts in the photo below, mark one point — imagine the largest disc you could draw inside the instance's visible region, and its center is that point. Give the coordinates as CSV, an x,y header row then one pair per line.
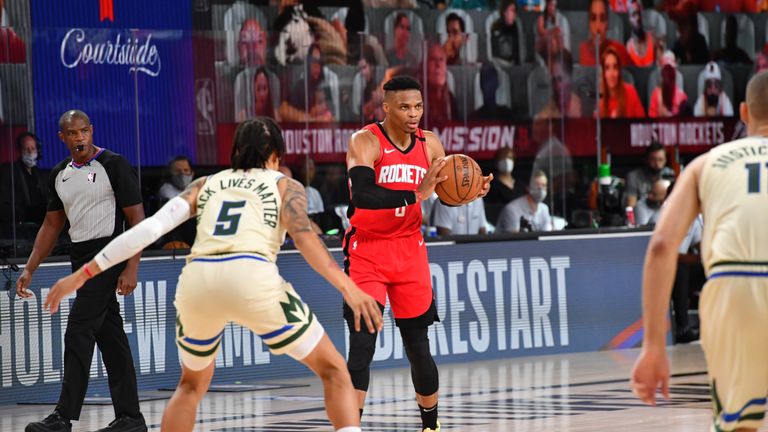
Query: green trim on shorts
x,y
753,416
294,336
718,407
740,263
199,353
180,343
758,416
715,398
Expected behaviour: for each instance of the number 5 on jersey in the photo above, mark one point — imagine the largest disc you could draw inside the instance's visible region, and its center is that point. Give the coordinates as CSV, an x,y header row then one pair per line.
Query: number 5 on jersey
x,y
229,218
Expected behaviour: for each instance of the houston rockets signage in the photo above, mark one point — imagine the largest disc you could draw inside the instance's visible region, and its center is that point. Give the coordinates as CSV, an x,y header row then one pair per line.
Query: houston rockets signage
x,y
127,64
328,142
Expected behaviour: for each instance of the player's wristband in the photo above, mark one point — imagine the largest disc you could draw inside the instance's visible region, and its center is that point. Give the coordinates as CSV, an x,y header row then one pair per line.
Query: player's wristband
x,y
87,271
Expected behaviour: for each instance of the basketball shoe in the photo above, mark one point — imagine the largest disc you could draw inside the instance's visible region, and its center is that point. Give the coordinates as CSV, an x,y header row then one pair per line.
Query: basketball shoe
x,y
432,430
53,423
125,423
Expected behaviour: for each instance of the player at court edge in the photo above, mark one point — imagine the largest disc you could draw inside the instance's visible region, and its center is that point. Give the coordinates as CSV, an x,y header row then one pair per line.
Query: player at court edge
x,y
393,165
727,186
242,215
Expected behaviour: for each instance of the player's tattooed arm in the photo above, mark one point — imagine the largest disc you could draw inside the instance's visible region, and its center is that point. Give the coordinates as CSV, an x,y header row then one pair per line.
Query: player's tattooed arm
x,y
296,220
293,217
191,192
294,208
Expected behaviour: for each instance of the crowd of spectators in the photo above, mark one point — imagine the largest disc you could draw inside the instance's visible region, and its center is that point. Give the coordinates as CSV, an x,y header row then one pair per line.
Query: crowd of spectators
x,y
301,63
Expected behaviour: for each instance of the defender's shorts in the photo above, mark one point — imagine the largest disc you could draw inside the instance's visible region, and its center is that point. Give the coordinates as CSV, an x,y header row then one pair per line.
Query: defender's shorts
x,y
734,319
245,289
397,268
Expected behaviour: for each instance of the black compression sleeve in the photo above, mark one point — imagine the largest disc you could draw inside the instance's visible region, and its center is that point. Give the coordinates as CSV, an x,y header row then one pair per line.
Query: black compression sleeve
x,y
366,194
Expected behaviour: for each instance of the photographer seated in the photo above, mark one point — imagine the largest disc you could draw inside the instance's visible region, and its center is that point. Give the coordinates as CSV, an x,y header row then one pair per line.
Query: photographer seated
x,y
528,208
647,209
641,180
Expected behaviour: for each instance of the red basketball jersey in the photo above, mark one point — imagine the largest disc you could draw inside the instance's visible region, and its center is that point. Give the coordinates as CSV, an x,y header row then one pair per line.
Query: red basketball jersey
x,y
396,169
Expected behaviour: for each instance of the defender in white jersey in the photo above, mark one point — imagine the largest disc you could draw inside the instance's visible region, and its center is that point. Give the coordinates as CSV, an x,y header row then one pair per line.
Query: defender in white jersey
x,y
729,186
242,216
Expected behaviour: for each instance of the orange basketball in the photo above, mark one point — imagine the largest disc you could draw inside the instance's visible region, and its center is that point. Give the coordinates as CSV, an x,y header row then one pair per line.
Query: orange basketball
x,y
465,179
175,244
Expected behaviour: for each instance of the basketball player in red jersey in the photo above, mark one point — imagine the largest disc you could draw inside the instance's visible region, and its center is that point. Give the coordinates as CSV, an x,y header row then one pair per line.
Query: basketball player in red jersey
x,y
393,165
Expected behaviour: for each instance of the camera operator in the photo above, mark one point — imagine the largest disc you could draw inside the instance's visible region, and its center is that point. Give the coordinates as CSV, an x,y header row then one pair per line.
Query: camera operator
x,y
641,180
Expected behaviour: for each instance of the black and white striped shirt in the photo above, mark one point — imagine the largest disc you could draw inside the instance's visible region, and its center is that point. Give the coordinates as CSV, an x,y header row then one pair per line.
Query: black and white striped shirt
x,y
93,194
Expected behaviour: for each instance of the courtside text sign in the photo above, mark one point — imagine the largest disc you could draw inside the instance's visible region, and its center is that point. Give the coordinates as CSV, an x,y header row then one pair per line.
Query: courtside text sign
x,y
129,69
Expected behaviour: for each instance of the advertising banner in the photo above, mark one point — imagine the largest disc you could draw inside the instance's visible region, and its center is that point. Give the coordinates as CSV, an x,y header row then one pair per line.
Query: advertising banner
x,y
481,140
516,298
129,70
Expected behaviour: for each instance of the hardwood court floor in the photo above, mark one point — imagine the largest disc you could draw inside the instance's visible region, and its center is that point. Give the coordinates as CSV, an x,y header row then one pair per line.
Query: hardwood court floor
x,y
575,392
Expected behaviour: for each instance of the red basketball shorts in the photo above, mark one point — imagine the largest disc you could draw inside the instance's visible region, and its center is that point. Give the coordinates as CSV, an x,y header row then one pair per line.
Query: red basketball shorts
x,y
396,268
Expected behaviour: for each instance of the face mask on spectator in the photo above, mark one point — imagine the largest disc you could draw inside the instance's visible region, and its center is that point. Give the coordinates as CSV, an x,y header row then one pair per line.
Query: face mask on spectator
x,y
181,181
29,159
505,166
537,194
652,204
712,99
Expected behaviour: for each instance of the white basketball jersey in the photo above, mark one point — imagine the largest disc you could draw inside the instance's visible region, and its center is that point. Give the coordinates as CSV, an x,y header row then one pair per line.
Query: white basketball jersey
x,y
733,190
239,211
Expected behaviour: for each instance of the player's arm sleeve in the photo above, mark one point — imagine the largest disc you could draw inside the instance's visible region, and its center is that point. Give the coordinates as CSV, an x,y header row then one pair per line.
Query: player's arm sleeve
x,y
54,201
131,242
366,194
124,182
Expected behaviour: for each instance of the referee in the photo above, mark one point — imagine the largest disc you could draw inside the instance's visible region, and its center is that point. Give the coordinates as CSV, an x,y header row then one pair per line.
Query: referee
x,y
96,191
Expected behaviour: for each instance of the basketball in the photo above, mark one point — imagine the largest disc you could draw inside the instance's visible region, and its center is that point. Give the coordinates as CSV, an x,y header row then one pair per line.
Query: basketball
x,y
465,179
175,244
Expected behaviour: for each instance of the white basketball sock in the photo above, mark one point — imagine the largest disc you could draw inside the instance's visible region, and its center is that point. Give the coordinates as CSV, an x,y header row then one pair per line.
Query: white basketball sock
x,y
350,429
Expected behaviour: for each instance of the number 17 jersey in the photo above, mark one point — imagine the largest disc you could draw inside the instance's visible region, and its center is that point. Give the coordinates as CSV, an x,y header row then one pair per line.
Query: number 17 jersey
x,y
395,169
734,200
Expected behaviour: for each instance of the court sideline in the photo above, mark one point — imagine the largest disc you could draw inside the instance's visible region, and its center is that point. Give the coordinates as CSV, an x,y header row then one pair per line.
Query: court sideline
x,y
570,392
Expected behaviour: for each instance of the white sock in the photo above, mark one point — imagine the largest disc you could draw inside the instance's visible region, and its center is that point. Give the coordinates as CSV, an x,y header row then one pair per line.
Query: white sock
x,y
350,429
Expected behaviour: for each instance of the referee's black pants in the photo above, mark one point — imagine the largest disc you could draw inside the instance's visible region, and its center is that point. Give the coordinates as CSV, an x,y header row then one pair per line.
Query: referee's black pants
x,y
95,318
